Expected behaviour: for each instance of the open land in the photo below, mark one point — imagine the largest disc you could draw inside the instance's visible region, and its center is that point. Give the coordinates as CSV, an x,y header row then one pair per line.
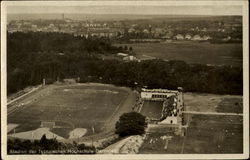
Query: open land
x,y
80,106
205,133
76,107
191,52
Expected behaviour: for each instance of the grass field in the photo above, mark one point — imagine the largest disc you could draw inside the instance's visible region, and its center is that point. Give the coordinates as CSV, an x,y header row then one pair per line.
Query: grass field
x,y
206,133
214,134
213,103
152,109
191,52
71,107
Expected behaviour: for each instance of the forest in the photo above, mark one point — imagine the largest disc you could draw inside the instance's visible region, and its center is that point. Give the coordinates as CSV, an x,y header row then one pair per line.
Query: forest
x,y
36,55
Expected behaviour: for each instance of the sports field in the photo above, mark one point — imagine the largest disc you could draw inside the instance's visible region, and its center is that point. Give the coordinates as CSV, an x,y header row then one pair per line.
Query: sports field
x,y
190,52
205,133
81,107
213,103
152,109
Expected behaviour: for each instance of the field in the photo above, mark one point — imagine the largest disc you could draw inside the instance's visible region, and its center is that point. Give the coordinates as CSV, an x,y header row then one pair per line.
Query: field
x,y
82,106
205,133
191,52
152,109
213,103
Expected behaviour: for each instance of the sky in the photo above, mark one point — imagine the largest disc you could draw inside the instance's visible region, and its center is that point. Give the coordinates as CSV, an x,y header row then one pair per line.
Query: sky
x,y
130,9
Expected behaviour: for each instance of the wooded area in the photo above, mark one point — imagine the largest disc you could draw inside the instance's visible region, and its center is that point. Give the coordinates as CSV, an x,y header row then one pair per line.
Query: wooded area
x,y
34,56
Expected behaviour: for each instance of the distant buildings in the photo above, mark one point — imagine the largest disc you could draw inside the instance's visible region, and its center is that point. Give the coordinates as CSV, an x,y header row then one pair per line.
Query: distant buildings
x,y
134,32
196,38
179,37
188,37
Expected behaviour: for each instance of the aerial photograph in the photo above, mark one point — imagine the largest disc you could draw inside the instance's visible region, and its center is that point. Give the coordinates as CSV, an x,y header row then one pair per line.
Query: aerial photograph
x,y
124,79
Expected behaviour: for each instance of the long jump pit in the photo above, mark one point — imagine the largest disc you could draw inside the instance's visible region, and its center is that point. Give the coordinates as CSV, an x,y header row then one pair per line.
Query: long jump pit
x,y
70,111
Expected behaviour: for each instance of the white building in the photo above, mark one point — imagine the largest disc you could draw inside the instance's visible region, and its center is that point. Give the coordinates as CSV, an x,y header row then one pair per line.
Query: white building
x,y
179,37
196,38
157,94
129,58
188,36
122,54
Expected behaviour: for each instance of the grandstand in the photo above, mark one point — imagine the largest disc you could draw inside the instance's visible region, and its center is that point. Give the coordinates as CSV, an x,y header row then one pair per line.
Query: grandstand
x,y
171,107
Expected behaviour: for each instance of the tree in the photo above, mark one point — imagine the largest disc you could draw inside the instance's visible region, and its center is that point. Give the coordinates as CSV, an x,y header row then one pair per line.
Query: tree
x,y
125,48
131,123
130,49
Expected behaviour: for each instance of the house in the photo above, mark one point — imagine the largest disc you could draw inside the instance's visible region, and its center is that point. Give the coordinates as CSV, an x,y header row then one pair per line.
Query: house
x,y
188,37
179,37
196,38
131,30
145,31
206,37
122,54
129,58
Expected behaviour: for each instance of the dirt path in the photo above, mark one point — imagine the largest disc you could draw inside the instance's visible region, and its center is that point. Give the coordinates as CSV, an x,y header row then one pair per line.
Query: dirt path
x,y
213,113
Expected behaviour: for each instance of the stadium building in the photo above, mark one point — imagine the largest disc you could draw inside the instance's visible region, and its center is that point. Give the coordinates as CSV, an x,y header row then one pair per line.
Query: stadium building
x,y
171,107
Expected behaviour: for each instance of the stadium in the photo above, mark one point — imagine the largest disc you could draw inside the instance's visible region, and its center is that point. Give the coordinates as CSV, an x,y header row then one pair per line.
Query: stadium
x,y
68,112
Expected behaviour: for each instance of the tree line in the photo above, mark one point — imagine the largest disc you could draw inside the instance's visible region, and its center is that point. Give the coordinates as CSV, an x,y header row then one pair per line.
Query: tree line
x,y
34,56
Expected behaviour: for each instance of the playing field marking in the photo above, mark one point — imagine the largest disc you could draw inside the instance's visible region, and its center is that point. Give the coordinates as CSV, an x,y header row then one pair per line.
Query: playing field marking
x,y
183,143
213,113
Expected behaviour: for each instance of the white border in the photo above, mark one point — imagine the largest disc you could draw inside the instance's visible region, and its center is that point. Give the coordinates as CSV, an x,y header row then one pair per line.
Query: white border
x,y
243,3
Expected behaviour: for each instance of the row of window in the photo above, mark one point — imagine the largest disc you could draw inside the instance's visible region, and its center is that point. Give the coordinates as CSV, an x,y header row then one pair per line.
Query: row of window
x,y
159,96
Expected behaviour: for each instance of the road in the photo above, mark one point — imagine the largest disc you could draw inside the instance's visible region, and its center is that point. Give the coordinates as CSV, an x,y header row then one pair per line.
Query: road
x,y
213,113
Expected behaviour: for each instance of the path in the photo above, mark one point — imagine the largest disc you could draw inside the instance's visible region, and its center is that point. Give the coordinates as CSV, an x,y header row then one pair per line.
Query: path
x,y
213,113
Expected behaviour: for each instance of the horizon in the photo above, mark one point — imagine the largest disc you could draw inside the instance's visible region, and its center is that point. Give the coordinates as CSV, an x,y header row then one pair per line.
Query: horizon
x,y
109,16
131,9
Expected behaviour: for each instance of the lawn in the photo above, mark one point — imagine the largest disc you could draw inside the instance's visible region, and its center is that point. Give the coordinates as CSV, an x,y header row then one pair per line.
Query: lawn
x,y
233,105
205,135
191,52
71,107
213,103
214,134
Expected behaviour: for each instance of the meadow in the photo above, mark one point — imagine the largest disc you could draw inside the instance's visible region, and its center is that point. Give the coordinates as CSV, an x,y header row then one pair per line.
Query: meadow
x,y
191,52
